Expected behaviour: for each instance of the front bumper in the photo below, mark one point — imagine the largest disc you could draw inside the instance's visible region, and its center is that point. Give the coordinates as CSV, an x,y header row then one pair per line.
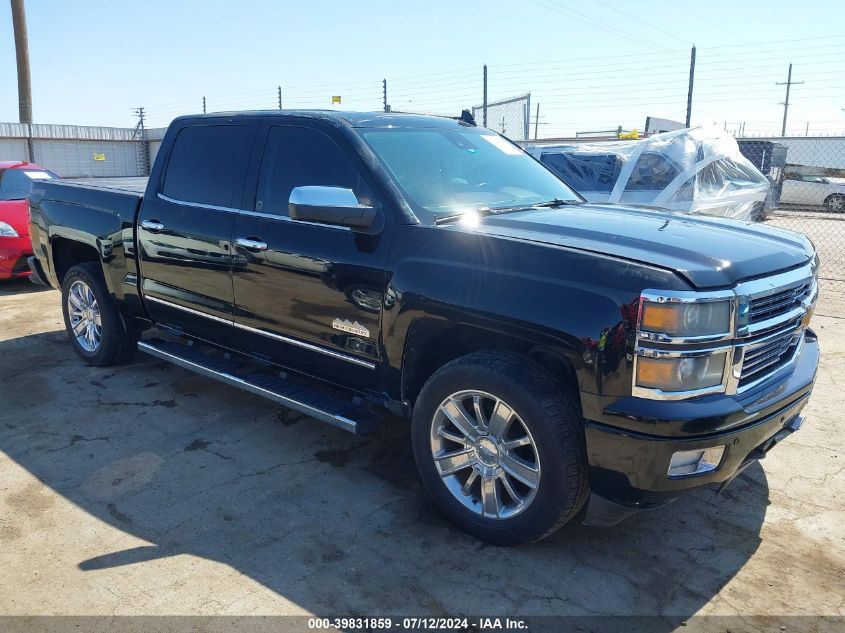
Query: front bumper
x,y
629,470
13,254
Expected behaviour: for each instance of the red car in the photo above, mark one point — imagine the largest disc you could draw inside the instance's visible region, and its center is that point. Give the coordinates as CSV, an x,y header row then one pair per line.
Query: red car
x,y
16,180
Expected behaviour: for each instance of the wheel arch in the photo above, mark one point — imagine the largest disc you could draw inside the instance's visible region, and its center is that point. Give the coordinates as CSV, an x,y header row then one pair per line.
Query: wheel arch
x,y
67,252
432,343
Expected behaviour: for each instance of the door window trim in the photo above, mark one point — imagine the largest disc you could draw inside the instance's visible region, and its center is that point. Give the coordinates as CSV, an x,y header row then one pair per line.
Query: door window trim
x,y
248,212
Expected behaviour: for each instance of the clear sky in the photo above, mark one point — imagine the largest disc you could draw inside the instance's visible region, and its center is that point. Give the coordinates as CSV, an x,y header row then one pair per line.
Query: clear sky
x,y
590,65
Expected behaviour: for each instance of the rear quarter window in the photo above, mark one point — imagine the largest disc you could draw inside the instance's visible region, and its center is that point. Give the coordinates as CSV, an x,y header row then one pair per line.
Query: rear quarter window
x,y
208,163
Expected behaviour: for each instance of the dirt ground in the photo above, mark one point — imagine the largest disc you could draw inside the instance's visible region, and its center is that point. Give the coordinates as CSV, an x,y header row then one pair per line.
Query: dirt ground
x,y
144,489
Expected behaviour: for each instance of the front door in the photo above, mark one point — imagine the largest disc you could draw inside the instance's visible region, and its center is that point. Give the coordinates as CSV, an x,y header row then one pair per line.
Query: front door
x,y
310,295
185,227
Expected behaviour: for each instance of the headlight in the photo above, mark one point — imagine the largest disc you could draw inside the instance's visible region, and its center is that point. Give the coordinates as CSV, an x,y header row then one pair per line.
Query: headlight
x,y
681,374
7,231
709,318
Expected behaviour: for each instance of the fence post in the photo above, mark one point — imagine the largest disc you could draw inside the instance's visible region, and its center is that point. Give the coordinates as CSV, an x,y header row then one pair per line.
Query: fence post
x,y
203,105
537,121
526,118
484,102
280,97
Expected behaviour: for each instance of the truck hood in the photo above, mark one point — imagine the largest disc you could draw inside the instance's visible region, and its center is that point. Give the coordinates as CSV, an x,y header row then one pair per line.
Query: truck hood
x,y
16,214
710,252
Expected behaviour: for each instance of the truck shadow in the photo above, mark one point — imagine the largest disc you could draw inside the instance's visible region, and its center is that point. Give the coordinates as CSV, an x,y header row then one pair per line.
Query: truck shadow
x,y
335,523
20,286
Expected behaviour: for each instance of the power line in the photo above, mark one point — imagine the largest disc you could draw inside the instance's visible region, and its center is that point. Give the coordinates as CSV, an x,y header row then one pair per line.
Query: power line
x,y
585,19
636,19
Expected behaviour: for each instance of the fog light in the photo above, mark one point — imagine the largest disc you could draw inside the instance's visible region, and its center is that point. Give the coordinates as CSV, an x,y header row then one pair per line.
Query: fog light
x,y
702,460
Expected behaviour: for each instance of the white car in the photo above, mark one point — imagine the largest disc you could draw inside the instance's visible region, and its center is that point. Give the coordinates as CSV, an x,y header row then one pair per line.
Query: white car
x,y
814,191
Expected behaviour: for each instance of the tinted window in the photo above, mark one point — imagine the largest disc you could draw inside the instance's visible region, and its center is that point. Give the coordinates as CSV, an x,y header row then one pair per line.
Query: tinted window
x,y
16,184
585,172
208,163
297,157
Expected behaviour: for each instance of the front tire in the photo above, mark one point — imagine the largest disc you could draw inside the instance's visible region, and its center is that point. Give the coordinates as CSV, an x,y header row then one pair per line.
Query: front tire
x,y
500,447
96,329
835,203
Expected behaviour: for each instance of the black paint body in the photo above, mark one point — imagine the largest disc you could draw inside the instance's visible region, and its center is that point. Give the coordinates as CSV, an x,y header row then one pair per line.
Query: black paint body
x,y
561,285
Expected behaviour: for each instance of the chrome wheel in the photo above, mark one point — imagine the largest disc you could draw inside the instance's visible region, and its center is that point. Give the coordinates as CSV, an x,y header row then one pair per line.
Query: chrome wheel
x,y
84,316
485,454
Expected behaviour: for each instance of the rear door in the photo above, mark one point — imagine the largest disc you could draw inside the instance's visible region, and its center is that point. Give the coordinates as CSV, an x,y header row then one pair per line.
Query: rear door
x,y
185,229
312,294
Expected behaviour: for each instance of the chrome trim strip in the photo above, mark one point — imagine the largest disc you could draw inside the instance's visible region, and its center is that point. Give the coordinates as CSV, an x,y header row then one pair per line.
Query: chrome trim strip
x,y
769,285
650,352
255,214
198,205
279,337
337,420
659,394
190,310
309,346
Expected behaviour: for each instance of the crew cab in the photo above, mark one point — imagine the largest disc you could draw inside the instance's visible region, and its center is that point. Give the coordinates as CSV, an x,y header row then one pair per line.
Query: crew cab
x,y
551,354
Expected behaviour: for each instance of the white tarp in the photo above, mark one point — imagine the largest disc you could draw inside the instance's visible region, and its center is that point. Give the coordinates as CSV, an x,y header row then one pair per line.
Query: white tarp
x,y
696,170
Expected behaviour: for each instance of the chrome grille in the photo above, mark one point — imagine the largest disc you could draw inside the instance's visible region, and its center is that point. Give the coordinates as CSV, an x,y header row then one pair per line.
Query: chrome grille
x,y
763,359
763,308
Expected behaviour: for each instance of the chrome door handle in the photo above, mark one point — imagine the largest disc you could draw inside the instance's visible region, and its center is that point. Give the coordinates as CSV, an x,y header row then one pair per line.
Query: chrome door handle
x,y
252,245
152,225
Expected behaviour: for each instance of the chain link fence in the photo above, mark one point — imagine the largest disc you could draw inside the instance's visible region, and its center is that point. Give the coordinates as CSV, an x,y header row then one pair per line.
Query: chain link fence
x,y
510,117
807,177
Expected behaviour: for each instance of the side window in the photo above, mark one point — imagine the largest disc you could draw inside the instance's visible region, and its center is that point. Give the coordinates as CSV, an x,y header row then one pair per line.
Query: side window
x,y
208,164
297,157
652,172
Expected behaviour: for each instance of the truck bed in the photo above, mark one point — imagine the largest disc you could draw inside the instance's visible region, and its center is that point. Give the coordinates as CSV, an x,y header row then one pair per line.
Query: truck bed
x,y
119,201
137,184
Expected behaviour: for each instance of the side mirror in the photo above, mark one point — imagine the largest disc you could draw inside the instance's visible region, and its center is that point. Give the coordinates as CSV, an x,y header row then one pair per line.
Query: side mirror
x,y
330,205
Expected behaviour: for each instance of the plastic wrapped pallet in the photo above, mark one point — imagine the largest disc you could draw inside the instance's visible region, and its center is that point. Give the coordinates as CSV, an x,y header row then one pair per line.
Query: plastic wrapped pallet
x,y
697,170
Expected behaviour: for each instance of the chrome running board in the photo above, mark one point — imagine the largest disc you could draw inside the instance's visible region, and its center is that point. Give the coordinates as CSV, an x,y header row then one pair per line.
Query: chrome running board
x,y
336,412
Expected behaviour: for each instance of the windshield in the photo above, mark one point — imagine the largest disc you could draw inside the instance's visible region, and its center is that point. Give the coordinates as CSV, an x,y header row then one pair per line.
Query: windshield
x,y
467,169
16,184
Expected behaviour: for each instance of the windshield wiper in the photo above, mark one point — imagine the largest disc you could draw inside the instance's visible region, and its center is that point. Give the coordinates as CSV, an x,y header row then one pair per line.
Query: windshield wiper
x,y
556,202
443,219
484,211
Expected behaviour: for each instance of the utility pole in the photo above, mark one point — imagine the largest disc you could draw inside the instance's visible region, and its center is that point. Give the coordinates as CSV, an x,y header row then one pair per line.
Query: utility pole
x,y
789,83
24,81
536,120
22,54
203,105
384,95
141,135
484,109
280,97
689,90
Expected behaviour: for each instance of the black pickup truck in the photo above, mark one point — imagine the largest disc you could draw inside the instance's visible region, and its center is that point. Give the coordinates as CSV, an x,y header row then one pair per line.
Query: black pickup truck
x,y
552,355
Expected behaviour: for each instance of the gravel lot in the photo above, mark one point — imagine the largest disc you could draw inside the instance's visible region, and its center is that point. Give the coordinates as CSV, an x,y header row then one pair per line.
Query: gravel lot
x,y
144,489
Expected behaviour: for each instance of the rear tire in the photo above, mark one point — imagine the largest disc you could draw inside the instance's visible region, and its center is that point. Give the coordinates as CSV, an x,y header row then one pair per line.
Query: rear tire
x,y
96,329
544,432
